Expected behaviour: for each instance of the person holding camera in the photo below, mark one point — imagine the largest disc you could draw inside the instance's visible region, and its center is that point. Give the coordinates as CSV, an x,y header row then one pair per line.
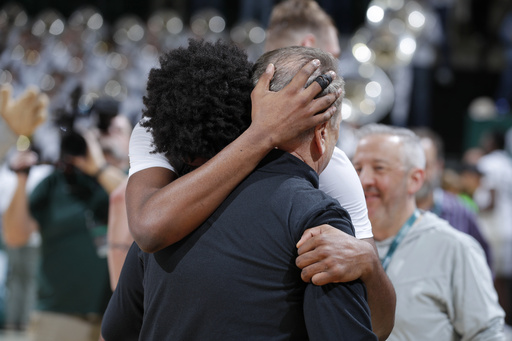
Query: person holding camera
x,y
68,208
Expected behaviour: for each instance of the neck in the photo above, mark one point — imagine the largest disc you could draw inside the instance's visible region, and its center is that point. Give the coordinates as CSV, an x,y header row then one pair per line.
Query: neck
x,y
307,159
427,202
385,229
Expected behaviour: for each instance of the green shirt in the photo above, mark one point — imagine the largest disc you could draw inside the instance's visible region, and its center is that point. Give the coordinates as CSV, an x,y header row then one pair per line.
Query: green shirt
x,y
73,278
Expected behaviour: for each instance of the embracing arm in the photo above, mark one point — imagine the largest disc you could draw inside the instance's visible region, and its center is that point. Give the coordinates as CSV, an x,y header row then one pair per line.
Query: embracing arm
x,y
327,255
162,208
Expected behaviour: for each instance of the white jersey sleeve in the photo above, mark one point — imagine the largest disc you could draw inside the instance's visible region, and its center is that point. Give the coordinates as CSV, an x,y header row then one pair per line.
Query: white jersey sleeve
x,y
141,157
339,180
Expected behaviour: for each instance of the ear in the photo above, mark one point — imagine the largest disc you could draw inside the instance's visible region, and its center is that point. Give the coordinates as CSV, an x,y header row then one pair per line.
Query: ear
x,y
320,141
309,40
416,178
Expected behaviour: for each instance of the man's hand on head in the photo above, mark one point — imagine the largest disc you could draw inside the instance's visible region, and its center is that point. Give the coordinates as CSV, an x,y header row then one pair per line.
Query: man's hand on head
x,y
329,255
285,114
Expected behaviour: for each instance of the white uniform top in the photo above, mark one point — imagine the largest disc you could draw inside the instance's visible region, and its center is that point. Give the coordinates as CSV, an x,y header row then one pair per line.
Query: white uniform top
x,y
497,175
339,179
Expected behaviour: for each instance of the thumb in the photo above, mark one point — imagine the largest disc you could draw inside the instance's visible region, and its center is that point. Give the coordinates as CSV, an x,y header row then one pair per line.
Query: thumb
x,y
308,234
5,95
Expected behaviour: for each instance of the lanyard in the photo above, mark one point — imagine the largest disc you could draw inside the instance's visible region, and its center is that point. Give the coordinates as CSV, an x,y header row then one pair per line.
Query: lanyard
x,y
398,238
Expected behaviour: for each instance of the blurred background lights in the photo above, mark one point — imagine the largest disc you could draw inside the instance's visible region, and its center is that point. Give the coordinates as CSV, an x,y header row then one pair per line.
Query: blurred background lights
x,y
367,106
113,88
57,27
23,143
257,35
95,22
407,46
5,76
375,14
346,109
416,19
174,25
47,83
38,28
135,33
199,27
217,24
373,89
361,52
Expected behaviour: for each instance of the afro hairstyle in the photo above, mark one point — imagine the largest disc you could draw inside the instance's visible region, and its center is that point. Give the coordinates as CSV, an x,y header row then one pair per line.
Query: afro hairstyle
x,y
198,101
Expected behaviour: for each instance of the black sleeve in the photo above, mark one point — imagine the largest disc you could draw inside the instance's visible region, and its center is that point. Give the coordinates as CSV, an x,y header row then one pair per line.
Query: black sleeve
x,y
123,317
337,311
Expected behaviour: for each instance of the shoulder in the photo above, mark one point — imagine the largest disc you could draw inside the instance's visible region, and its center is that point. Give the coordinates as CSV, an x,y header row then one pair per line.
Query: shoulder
x,y
442,234
141,151
309,206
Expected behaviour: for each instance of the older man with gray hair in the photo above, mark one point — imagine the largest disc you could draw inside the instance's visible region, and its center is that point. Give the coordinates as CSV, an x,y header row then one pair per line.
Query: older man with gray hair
x,y
442,281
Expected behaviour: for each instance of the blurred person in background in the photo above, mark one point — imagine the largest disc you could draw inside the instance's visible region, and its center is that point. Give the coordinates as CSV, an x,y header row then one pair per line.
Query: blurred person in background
x,y
443,284
432,197
69,209
302,23
20,116
494,199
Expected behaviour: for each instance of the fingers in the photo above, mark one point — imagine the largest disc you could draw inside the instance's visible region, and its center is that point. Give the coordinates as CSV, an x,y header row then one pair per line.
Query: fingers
x,y
308,259
5,95
321,278
264,81
29,97
308,242
318,274
309,233
299,81
41,109
324,80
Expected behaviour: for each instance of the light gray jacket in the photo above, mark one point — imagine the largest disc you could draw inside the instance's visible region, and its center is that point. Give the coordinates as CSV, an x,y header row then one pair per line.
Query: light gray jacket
x,y
443,285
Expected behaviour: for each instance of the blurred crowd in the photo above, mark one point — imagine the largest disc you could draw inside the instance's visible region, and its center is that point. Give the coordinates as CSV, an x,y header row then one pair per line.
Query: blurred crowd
x,y
93,73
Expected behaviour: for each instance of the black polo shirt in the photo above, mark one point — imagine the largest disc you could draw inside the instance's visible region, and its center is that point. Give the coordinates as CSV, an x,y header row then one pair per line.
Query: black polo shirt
x,y
235,277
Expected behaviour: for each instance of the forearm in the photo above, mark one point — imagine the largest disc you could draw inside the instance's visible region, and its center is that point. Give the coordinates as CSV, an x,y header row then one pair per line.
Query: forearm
x,y
381,298
17,223
110,177
164,215
118,235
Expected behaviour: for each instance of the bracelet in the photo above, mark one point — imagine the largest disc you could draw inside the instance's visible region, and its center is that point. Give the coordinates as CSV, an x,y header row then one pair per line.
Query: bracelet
x,y
100,170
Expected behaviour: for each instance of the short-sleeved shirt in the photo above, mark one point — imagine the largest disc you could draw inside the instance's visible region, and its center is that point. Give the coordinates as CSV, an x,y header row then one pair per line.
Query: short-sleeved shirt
x,y
73,277
339,179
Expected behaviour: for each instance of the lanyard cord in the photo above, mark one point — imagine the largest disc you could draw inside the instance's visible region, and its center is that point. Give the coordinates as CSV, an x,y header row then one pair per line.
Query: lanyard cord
x,y
398,238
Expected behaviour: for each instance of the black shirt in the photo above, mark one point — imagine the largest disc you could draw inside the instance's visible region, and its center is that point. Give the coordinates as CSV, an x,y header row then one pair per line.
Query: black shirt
x,y
235,277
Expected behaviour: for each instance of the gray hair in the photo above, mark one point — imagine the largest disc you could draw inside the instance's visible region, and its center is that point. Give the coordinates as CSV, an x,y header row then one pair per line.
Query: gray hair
x,y
289,60
413,155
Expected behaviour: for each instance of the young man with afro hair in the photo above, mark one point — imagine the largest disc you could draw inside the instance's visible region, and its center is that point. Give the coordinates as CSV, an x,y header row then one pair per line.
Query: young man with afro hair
x,y
198,102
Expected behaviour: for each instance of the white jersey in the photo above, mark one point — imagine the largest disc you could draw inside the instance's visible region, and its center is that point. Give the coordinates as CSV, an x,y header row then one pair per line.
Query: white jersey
x,y
339,179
